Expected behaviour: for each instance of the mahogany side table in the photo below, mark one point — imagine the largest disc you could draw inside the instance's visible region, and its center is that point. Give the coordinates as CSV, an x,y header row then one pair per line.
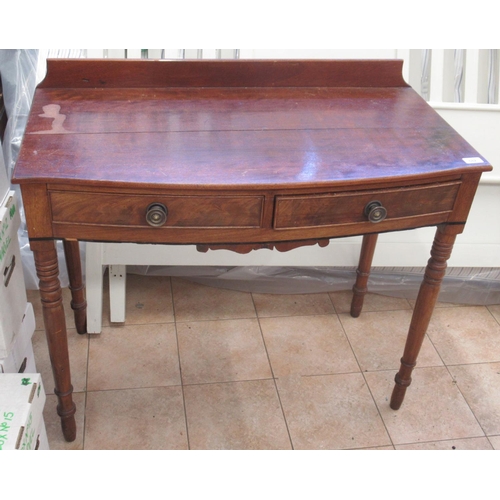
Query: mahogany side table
x,y
239,154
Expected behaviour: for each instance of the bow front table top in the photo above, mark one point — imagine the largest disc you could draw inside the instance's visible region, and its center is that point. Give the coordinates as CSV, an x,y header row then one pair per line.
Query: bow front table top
x,y
237,154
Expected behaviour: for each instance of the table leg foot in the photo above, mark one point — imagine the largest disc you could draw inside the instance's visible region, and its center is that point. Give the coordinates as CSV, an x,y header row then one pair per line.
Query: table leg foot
x,y
426,300
402,381
398,395
67,416
360,288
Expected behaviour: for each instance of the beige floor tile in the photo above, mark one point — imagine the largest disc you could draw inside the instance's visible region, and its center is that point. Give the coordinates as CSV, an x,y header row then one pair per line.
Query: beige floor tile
x,y
480,385
495,311
195,302
136,419
302,335
148,300
465,335
373,302
307,345
133,356
78,348
235,415
222,351
270,305
331,412
378,340
433,409
454,444
495,442
53,423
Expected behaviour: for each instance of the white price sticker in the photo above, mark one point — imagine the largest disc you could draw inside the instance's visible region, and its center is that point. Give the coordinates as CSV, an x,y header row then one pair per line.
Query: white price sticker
x,y
473,160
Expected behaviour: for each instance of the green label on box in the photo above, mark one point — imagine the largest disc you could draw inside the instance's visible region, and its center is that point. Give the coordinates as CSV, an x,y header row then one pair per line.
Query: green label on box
x,y
5,237
5,426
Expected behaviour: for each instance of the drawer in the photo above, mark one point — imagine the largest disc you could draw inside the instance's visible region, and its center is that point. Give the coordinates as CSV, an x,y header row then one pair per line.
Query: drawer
x,y
180,211
348,208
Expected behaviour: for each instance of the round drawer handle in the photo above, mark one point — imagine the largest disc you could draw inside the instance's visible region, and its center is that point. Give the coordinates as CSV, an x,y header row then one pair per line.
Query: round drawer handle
x,y
375,212
156,214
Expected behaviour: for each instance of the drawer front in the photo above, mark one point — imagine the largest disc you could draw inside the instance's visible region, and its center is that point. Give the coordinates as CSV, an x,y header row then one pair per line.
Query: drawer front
x,y
181,211
349,208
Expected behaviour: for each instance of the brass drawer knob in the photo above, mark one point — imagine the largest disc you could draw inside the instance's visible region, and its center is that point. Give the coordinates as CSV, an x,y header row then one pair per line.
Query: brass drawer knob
x,y
375,212
156,214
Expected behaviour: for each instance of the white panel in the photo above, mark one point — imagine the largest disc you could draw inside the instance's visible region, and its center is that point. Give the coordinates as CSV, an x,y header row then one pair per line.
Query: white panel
x,y
93,284
247,53
319,53
154,53
174,255
209,53
191,53
483,74
133,53
95,53
471,76
437,75
448,75
226,53
114,53
415,70
495,90
172,53
117,288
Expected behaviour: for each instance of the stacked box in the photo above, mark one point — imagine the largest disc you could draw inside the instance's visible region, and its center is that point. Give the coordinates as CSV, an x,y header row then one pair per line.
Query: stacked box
x,y
13,297
43,441
22,398
4,180
21,358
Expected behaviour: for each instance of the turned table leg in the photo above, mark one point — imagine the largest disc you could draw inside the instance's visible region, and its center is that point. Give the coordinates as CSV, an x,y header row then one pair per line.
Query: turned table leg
x,y
74,266
426,300
55,327
363,273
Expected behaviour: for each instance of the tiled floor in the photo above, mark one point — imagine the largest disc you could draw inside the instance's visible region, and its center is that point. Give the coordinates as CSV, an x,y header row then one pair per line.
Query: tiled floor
x,y
196,367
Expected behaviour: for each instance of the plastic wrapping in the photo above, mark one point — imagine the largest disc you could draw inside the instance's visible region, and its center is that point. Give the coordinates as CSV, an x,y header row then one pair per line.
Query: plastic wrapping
x,y
21,70
474,286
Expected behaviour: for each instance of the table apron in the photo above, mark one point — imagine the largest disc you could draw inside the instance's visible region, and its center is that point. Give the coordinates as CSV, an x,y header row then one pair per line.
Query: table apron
x,y
175,235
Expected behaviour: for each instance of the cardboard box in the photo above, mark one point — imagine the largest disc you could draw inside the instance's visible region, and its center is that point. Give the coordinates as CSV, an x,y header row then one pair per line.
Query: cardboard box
x,y
4,180
21,358
42,441
22,398
13,297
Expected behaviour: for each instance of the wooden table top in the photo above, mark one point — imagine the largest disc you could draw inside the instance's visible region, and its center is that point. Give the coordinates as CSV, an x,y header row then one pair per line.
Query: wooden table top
x,y
235,124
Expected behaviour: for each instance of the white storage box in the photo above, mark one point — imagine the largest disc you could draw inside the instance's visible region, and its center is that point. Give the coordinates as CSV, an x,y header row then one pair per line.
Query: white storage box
x,y
43,441
21,358
22,398
4,180
13,298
